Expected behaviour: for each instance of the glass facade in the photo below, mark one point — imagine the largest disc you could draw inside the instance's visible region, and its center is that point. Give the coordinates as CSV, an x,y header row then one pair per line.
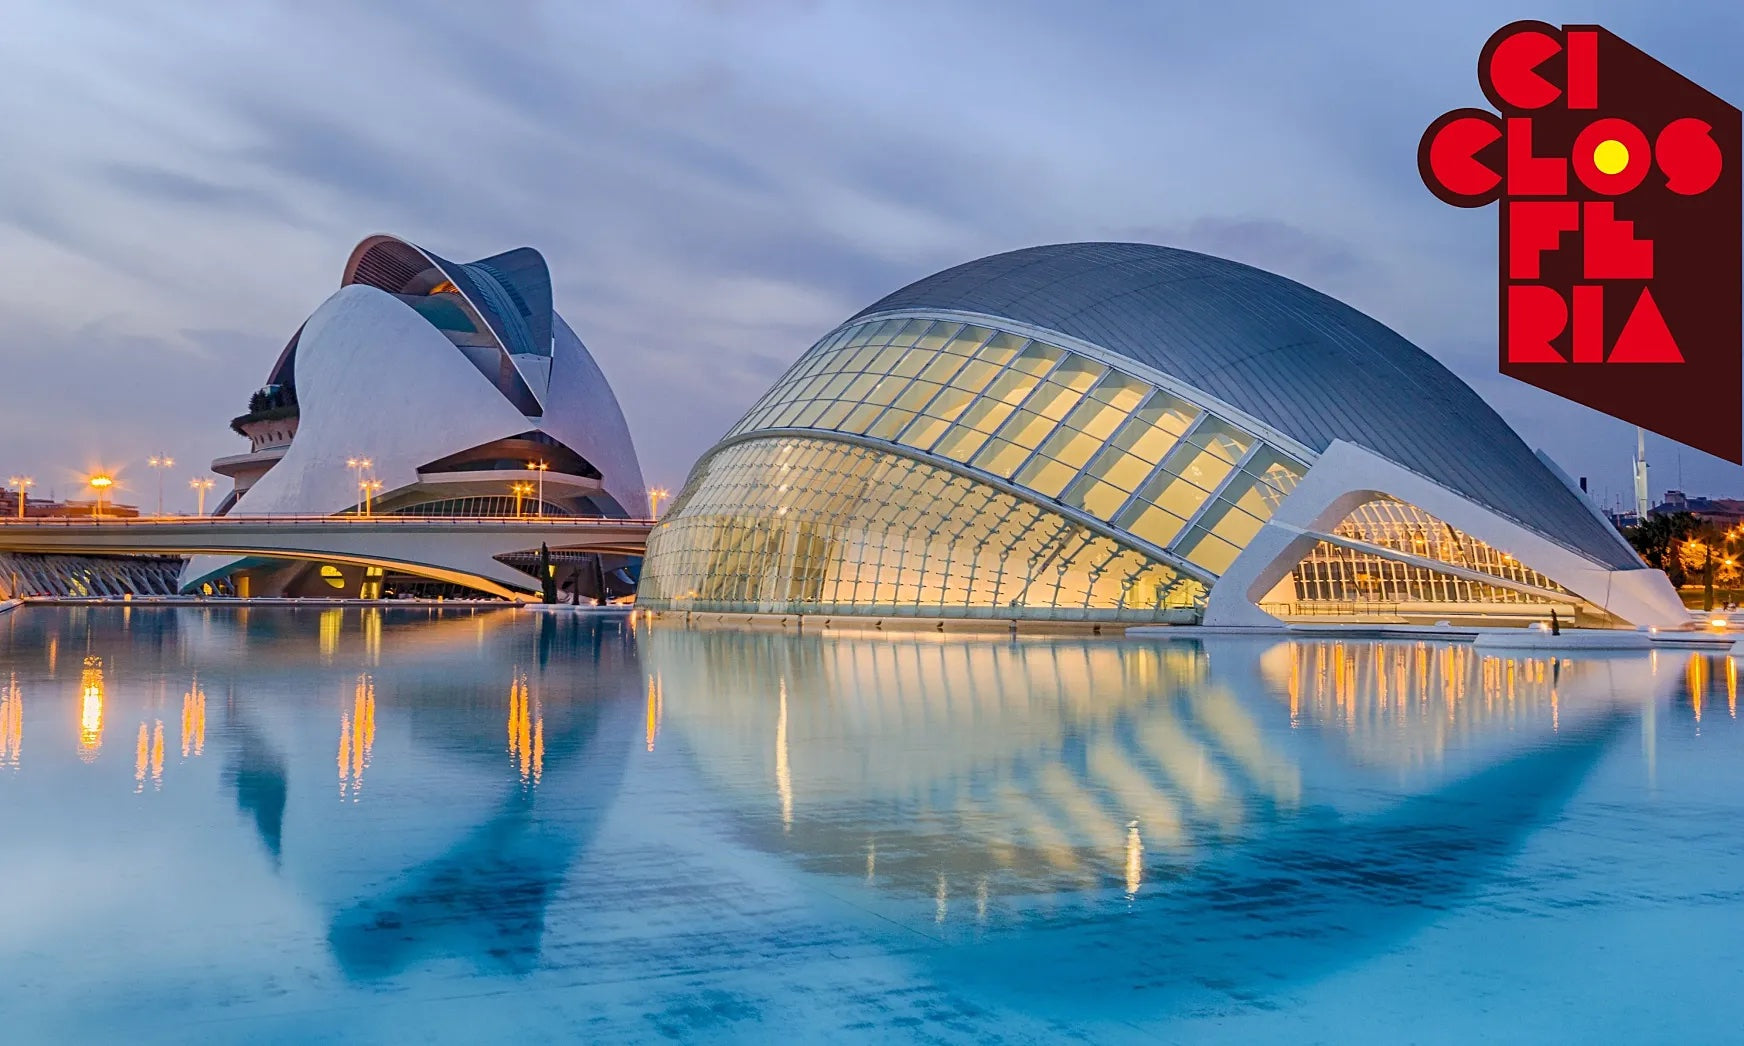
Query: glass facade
x,y
930,466
1339,574
797,525
1061,425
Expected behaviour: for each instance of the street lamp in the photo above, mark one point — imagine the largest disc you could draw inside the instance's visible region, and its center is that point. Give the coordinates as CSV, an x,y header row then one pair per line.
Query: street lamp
x,y
21,484
201,486
520,490
161,462
368,487
540,467
100,483
654,497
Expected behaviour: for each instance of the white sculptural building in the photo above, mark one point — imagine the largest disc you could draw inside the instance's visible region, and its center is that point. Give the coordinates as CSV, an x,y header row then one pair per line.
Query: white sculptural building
x,y
460,386
1126,433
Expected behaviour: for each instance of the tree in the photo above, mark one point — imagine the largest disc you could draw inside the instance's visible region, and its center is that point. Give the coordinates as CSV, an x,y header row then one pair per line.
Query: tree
x,y
1660,541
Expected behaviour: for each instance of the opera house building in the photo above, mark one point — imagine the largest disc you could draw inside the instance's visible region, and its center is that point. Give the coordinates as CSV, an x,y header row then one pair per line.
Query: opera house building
x,y
427,387
1128,433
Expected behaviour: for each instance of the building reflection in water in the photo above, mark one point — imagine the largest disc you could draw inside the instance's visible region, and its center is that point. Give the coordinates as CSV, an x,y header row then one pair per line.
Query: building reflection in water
x,y
91,708
656,707
526,730
193,720
931,764
11,723
356,737
331,622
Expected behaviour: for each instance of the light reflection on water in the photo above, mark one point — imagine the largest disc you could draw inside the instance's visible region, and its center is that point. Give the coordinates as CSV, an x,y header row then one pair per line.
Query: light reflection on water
x,y
733,824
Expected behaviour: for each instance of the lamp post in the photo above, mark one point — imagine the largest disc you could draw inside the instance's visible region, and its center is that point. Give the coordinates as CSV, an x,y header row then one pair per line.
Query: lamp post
x,y
21,484
100,483
368,488
162,463
654,497
201,486
540,467
520,490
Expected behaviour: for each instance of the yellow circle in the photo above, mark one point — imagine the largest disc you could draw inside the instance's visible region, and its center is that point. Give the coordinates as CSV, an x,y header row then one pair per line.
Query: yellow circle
x,y
1611,156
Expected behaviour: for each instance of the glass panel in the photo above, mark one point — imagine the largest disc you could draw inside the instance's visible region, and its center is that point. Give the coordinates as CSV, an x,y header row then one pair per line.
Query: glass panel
x,y
935,338
1038,358
1000,457
986,415
890,424
960,444
1073,448
1077,373
1209,551
949,403
1026,430
923,431
1046,476
1156,426
1012,387
1120,391
917,395
1002,347
1096,418
1116,466
1155,525
1052,400
974,376
1095,497
861,417
941,368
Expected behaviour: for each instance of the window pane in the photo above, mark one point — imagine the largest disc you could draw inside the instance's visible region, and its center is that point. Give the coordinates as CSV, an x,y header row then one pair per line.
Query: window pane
x,y
1077,373
1026,429
1046,476
1073,448
1002,347
960,444
1096,418
890,424
1120,468
1052,400
1001,457
1038,358
949,403
1120,391
1156,526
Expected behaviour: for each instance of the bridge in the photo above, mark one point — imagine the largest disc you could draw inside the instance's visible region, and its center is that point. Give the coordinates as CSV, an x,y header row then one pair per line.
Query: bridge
x,y
460,550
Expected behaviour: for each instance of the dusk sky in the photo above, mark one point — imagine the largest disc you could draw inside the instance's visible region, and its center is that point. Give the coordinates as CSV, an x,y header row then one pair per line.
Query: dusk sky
x,y
716,183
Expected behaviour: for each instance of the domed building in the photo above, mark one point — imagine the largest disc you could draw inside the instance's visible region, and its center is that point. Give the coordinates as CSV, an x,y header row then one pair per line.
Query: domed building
x,y
1128,433
428,387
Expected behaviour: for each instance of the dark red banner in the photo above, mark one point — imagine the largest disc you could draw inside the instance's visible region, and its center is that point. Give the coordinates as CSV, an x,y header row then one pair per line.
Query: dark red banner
x,y
1622,227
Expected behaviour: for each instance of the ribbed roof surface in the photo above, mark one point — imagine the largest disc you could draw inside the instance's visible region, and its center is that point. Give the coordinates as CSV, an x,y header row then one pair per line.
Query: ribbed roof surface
x,y
1313,367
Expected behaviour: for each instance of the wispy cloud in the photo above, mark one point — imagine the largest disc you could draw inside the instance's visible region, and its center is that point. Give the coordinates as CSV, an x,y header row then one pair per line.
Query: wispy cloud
x,y
717,182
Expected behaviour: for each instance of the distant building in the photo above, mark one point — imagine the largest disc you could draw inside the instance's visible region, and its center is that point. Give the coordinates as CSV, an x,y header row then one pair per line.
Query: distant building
x,y
439,385
1124,432
46,509
1724,512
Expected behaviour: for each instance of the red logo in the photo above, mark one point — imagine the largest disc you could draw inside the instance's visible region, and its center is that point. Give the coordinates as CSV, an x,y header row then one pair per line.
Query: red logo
x,y
1622,227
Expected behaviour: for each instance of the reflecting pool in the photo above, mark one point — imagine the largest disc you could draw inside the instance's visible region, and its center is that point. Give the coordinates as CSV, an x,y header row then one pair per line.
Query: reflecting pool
x,y
316,824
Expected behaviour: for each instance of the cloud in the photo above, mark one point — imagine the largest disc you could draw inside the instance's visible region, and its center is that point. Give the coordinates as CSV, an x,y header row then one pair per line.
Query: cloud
x,y
716,183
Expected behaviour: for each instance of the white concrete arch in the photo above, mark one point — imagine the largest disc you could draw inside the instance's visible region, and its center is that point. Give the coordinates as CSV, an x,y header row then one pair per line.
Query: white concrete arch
x,y
1348,475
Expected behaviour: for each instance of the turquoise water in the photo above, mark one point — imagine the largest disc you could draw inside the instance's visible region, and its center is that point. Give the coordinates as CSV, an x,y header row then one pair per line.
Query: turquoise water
x,y
295,825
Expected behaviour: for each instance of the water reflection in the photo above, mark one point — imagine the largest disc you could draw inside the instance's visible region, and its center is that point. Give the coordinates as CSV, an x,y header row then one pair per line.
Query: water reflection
x,y
11,723
1211,777
356,738
91,708
1039,824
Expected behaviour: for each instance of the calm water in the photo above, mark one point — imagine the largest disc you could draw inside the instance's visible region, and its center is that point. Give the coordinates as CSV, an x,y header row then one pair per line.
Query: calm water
x,y
361,825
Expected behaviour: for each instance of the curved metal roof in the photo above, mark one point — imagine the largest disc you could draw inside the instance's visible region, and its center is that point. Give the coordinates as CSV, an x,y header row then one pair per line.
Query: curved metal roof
x,y
1306,363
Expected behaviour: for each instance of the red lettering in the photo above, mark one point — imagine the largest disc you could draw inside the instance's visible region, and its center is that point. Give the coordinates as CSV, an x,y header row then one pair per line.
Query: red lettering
x,y
1453,157
1514,70
1611,251
1689,156
1645,337
1536,317
1583,69
1589,323
1530,175
1585,156
1536,226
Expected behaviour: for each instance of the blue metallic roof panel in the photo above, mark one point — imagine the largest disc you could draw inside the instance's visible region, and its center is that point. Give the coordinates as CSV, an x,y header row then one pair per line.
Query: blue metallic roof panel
x,y
1313,367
